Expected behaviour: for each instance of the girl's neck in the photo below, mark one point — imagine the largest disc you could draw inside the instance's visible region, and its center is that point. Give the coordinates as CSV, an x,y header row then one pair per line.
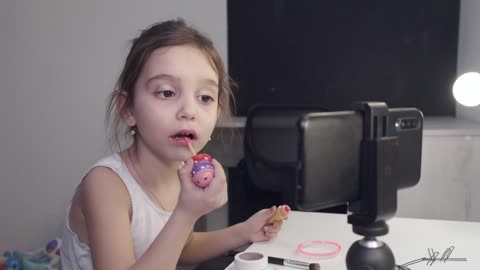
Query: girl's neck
x,y
154,172
158,180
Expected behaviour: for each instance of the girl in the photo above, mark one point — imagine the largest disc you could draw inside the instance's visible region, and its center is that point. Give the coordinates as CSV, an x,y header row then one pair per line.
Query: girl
x,y
136,208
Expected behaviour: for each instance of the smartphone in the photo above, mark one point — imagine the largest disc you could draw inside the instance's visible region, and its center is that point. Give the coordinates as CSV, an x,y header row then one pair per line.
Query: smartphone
x,y
328,171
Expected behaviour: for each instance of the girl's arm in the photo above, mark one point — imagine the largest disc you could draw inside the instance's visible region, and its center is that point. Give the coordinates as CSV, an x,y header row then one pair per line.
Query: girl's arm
x,y
106,206
206,245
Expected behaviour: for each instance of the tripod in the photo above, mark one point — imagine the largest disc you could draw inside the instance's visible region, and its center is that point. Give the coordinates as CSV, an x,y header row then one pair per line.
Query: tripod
x,y
378,194
370,253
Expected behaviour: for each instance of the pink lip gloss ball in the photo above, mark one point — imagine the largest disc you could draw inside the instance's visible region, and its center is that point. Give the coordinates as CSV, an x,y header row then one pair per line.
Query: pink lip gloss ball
x,y
202,172
203,178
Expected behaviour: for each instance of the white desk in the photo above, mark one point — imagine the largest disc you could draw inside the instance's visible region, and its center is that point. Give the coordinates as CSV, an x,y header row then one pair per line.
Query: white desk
x,y
409,239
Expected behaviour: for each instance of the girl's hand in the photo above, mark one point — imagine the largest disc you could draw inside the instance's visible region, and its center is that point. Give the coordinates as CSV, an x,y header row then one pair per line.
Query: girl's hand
x,y
200,201
257,229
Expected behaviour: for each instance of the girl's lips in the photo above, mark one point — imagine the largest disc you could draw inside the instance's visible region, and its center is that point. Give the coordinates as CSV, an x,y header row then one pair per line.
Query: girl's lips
x,y
183,137
180,141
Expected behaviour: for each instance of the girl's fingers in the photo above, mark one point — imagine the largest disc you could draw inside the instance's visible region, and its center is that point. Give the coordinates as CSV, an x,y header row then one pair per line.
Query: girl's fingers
x,y
185,171
269,234
219,172
219,182
274,227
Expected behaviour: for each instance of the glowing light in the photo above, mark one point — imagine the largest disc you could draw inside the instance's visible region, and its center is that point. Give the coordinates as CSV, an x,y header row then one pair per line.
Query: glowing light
x,y
466,89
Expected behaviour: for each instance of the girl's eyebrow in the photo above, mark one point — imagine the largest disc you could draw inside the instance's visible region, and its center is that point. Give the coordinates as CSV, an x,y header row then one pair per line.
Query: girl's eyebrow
x,y
209,82
176,79
167,77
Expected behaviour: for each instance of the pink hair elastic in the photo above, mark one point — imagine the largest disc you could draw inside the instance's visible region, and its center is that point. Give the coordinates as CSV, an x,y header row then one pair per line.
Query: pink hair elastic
x,y
324,249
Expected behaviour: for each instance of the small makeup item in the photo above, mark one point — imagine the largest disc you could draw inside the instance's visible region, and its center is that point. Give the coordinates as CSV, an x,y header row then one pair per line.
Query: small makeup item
x,y
250,261
202,172
281,213
293,263
256,261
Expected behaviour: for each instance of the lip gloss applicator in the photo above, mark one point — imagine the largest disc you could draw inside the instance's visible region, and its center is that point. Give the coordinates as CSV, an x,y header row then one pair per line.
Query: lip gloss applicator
x,y
202,172
190,147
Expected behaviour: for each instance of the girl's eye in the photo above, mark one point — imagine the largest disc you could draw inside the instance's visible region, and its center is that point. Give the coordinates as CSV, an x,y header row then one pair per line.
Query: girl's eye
x,y
166,93
206,99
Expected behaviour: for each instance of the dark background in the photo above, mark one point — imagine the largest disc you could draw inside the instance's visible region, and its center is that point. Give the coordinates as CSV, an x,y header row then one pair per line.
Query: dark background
x,y
332,53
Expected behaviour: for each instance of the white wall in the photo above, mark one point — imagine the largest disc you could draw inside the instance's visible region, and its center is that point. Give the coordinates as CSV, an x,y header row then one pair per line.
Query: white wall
x,y
58,62
469,49
448,187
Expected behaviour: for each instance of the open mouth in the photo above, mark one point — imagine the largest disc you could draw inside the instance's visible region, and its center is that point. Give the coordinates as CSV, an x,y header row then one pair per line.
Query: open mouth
x,y
184,136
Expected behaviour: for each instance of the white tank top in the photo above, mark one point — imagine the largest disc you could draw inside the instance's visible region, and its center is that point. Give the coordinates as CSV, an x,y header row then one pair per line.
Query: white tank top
x,y
147,220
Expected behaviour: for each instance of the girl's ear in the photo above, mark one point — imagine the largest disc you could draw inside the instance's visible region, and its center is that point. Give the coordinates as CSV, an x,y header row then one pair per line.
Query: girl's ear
x,y
124,109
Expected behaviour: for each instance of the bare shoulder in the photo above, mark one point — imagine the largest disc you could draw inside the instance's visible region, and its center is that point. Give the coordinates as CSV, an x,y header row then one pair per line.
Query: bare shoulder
x,y
102,185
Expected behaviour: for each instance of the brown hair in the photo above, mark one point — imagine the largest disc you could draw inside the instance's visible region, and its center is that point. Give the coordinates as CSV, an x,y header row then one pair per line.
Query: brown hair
x,y
164,34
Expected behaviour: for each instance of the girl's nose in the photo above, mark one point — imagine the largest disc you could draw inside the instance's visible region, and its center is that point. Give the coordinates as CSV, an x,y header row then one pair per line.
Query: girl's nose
x,y
187,110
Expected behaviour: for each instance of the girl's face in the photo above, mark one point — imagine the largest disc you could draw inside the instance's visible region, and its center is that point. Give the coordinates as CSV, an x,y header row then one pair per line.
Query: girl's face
x,y
176,97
